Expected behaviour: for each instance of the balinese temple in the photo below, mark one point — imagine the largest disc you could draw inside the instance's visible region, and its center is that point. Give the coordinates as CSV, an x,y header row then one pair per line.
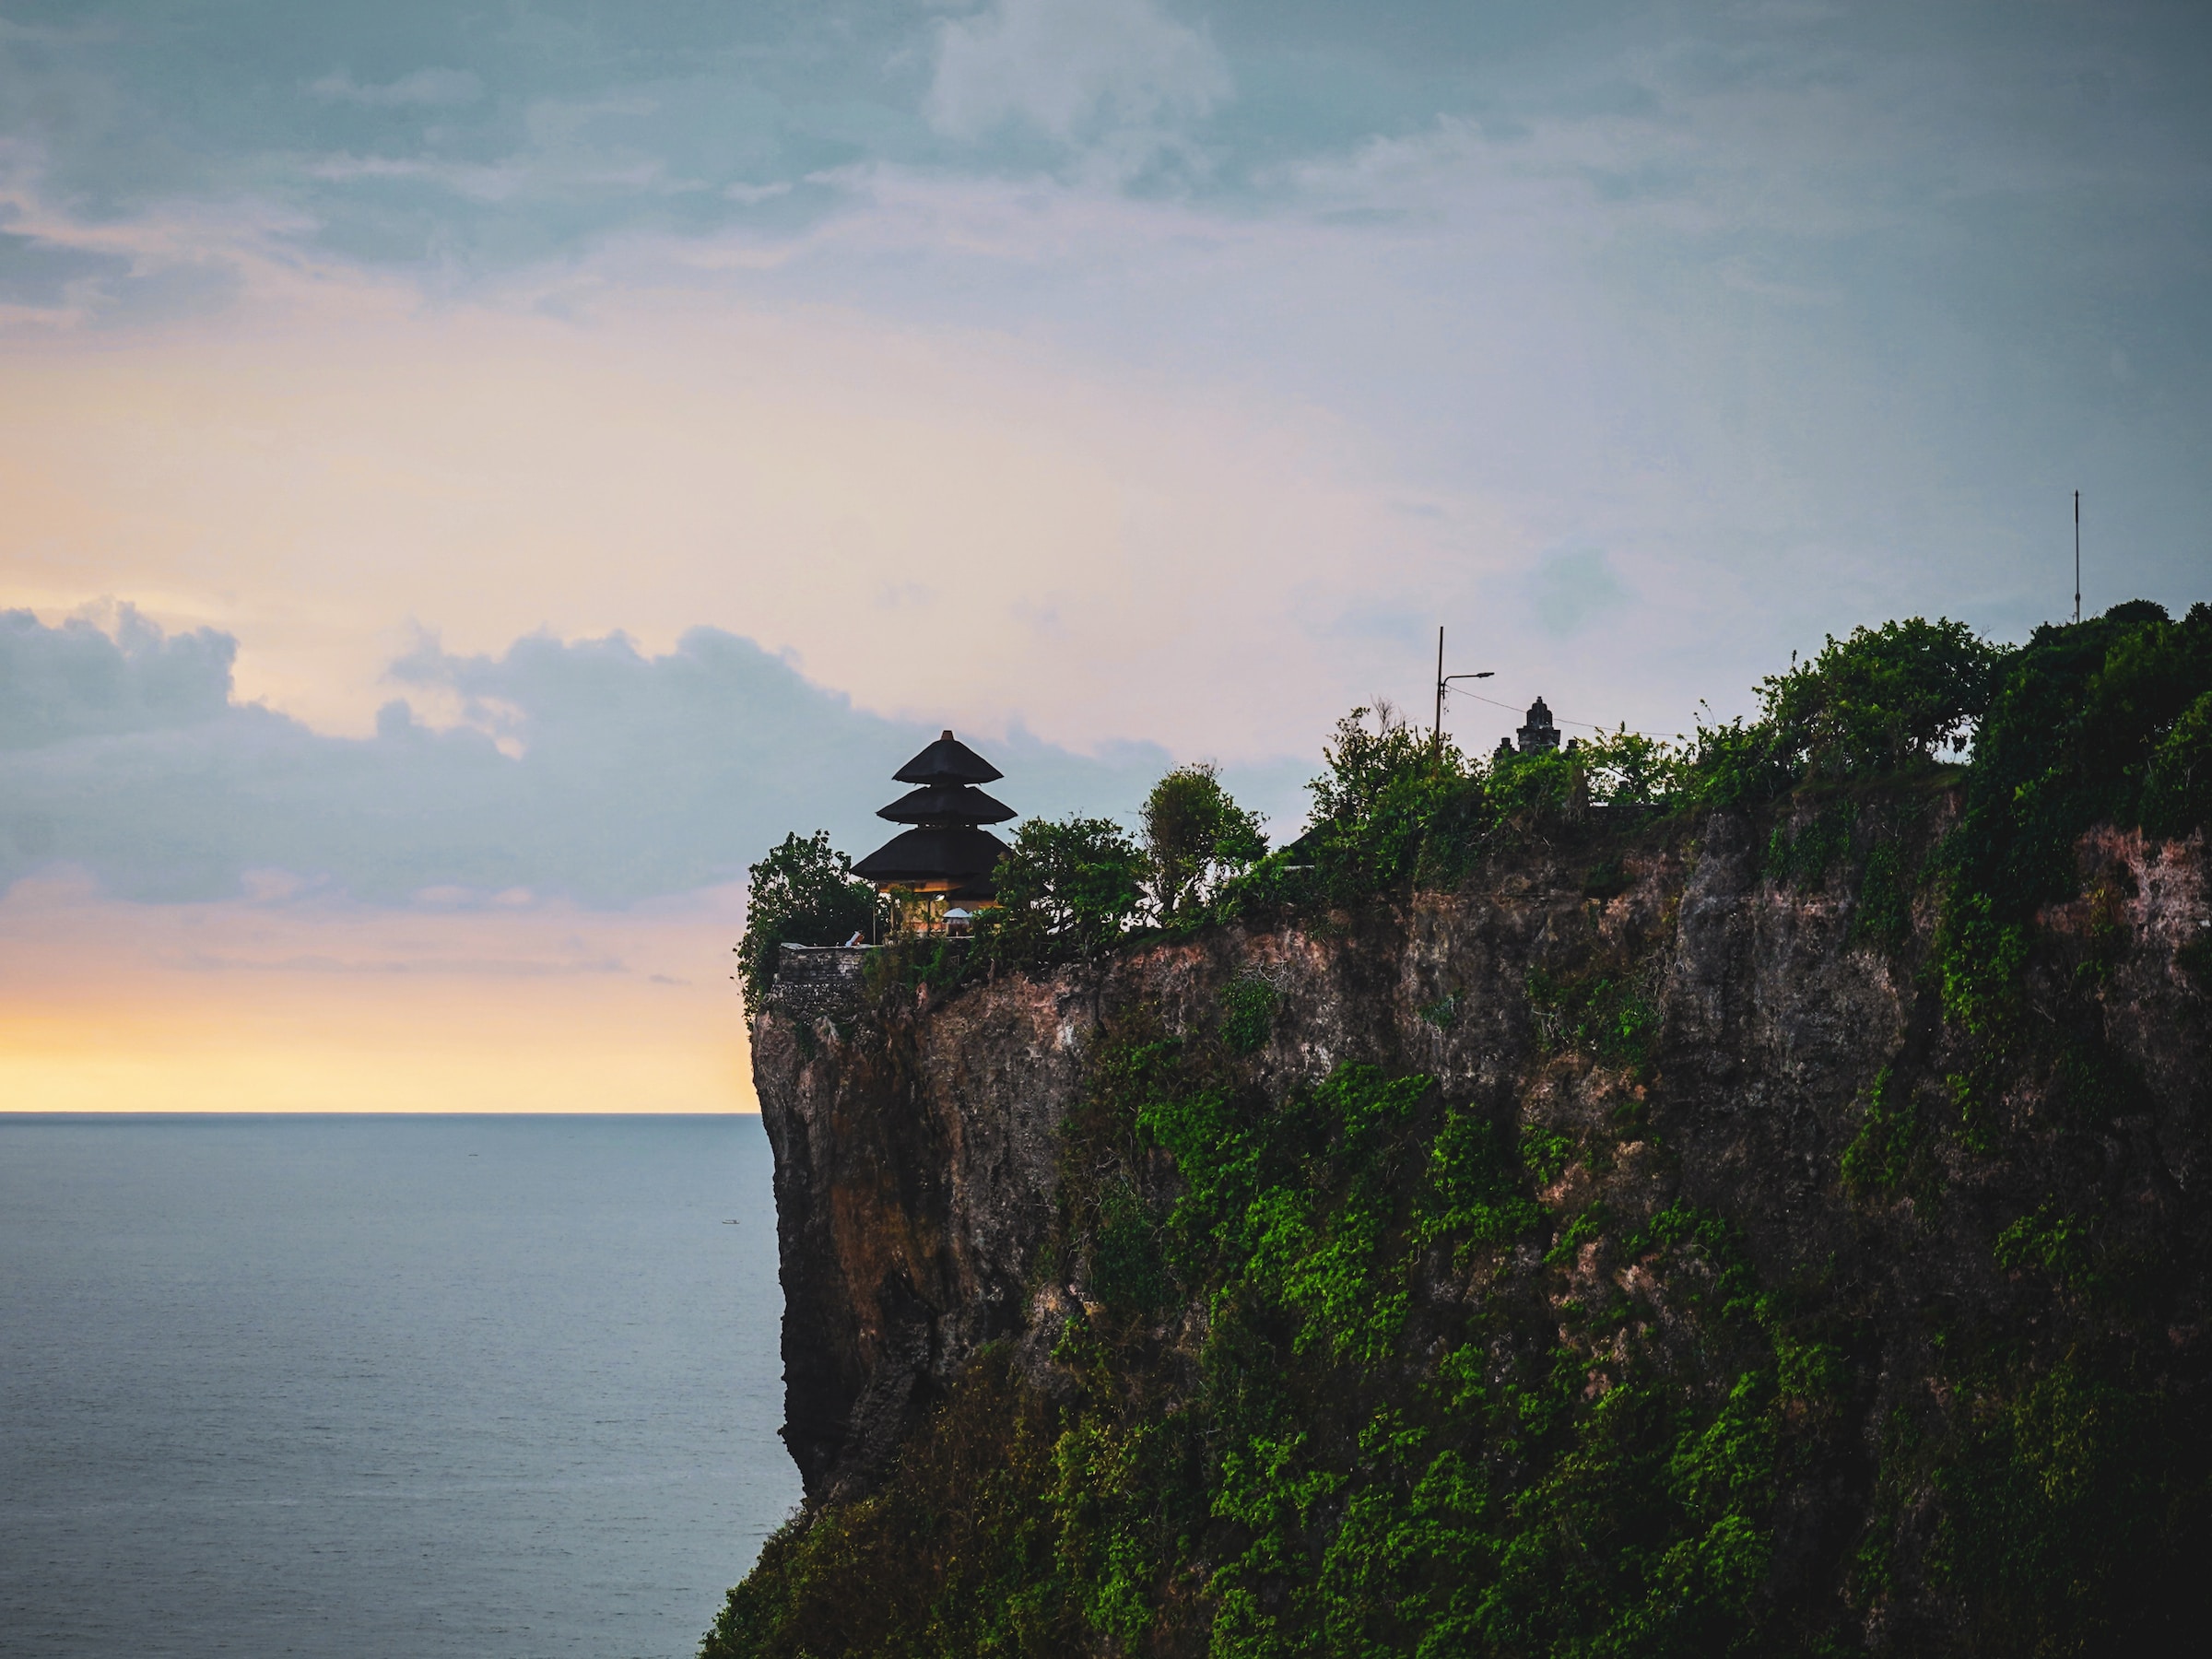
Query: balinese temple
x,y
940,870
1539,732
1539,735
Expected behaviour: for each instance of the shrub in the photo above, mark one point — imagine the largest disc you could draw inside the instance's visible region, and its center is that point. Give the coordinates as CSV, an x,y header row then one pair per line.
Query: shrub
x,y
1524,790
1248,1004
1066,888
1805,858
1884,917
955,1540
1387,791
1884,699
1881,1153
1733,765
2049,1242
2064,1501
2177,789
1609,1017
1365,765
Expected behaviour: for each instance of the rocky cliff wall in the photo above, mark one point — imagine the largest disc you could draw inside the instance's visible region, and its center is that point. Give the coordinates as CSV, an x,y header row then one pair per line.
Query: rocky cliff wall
x,y
917,1145
1696,1030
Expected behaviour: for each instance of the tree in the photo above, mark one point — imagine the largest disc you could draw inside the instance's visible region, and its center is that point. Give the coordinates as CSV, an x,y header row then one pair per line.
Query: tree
x,y
1066,888
1374,807
804,892
1627,768
1194,834
1883,699
1364,764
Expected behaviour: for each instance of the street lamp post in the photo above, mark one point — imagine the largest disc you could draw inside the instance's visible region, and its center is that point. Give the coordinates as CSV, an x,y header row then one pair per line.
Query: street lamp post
x,y
1444,682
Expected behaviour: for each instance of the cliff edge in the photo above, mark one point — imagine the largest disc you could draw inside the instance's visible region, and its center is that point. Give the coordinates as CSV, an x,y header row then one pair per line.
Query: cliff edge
x,y
1634,1249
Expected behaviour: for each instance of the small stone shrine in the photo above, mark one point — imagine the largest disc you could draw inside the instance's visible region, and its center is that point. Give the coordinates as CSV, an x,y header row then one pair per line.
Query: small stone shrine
x,y
939,871
1540,735
1539,732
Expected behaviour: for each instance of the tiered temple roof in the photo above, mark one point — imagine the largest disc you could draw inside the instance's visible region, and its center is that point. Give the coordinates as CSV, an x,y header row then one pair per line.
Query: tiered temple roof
x,y
947,851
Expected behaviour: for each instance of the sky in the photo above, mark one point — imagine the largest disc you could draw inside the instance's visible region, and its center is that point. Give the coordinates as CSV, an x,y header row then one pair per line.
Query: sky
x,y
473,477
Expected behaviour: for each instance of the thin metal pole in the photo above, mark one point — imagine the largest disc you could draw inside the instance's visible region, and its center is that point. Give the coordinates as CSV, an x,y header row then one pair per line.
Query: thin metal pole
x,y
2077,556
1436,732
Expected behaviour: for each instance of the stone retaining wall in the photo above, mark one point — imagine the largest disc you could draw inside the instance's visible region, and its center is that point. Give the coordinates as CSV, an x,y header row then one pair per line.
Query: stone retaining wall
x,y
817,980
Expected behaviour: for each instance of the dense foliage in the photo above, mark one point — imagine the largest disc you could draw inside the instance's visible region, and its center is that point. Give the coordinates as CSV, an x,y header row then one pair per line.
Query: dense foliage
x,y
803,892
2106,722
1880,700
1068,888
1346,1467
1356,1369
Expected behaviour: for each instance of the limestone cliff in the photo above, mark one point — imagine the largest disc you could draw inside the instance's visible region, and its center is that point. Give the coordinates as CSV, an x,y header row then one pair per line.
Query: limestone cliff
x,y
1669,1022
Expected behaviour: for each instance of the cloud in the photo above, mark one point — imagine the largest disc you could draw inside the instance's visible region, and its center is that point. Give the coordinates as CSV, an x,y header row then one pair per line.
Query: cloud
x,y
439,87
1071,69
582,768
180,254
1396,302
78,680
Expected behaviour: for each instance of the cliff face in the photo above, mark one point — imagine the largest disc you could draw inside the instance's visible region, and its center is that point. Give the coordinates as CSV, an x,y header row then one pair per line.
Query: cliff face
x,y
916,1159
1680,1030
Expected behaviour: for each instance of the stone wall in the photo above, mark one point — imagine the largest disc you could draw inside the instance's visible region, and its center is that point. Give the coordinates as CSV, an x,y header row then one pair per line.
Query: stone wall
x,y
814,981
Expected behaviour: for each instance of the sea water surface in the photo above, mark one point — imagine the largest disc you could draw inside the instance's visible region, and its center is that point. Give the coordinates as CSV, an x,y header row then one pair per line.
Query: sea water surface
x,y
385,1387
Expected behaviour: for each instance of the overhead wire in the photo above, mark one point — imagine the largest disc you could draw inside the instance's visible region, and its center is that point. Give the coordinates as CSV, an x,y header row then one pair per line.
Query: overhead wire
x,y
1562,719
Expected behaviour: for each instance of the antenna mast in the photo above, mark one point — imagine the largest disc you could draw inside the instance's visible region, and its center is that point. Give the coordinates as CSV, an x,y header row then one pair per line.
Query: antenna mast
x,y
2076,561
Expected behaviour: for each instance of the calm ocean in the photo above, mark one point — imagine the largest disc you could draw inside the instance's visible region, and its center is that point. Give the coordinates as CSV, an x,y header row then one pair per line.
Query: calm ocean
x,y
391,1388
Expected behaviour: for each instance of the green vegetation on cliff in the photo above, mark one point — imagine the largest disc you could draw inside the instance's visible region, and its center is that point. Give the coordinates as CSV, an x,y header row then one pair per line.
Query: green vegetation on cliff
x,y
802,892
1351,1366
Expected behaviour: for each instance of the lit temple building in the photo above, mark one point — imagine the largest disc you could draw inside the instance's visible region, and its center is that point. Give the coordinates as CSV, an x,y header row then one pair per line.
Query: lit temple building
x,y
939,871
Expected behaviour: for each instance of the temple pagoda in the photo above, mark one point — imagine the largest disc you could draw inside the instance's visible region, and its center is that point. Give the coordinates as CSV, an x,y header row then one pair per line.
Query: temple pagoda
x,y
940,869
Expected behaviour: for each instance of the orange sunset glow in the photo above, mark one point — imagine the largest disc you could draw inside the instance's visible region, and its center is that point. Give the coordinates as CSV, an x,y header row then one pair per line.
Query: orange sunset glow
x,y
299,1005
